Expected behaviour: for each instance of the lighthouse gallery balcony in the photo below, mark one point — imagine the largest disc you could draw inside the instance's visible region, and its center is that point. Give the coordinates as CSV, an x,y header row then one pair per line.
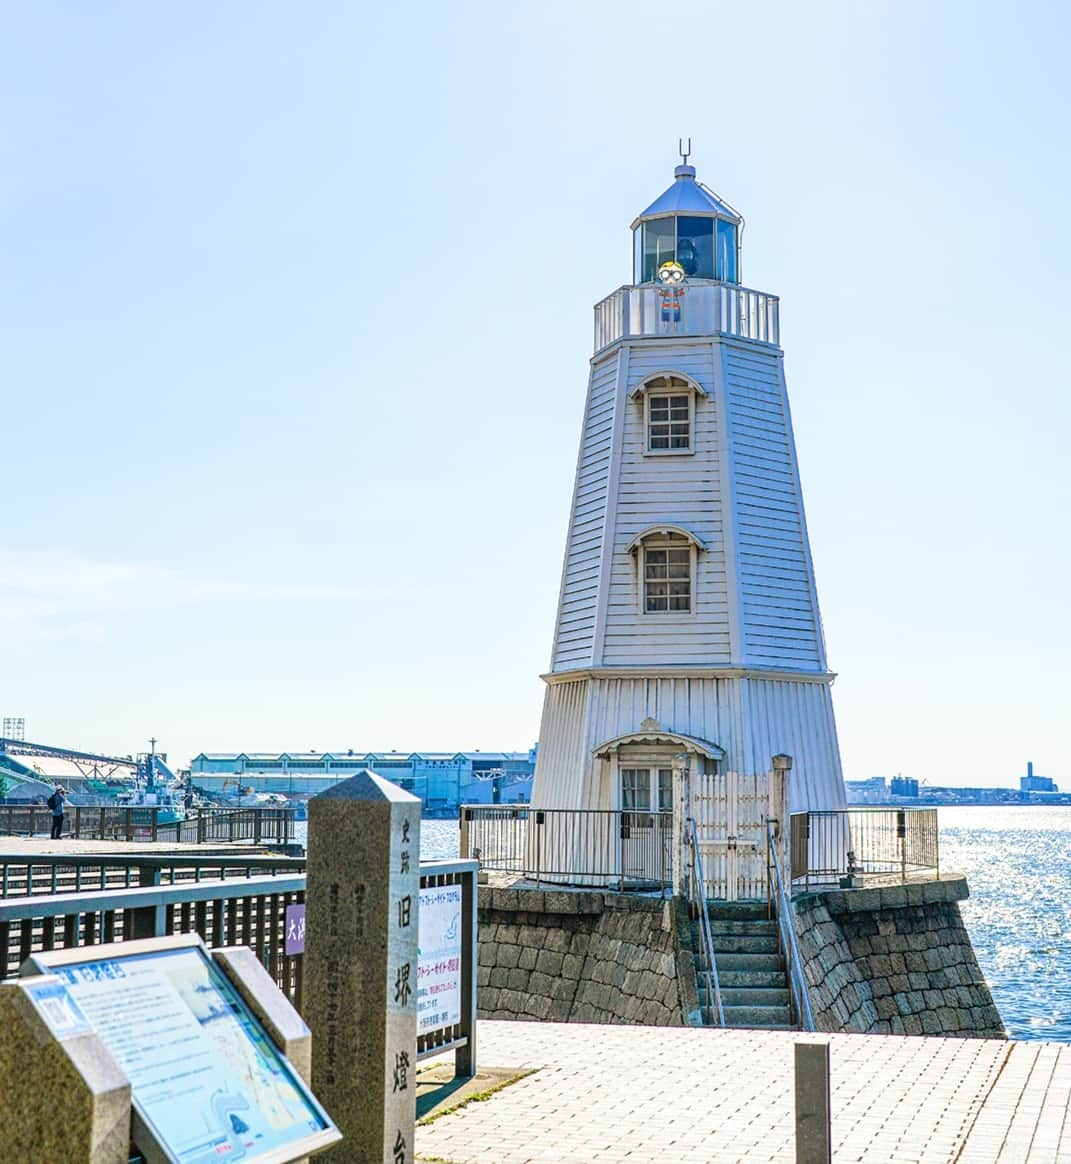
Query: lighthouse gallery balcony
x,y
707,307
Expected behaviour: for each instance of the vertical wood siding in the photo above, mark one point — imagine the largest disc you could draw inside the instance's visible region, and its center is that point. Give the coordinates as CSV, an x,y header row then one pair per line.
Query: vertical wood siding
x,y
778,603
574,633
752,719
564,758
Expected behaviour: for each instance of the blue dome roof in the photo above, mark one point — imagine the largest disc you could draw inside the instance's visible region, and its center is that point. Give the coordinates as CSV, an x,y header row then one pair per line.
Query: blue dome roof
x,y
687,196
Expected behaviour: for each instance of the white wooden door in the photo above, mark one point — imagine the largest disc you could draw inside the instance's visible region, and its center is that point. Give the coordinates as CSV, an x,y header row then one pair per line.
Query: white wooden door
x,y
730,811
645,838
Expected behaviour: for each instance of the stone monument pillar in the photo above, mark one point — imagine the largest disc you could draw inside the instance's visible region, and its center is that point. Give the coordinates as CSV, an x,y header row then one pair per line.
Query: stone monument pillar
x,y
361,900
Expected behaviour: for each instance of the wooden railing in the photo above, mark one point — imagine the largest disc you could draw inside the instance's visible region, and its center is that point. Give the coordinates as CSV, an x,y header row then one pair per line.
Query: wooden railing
x,y
855,845
115,823
707,308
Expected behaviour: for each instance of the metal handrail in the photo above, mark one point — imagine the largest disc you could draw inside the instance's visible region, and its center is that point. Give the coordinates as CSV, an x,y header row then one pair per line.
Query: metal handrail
x,y
789,943
706,938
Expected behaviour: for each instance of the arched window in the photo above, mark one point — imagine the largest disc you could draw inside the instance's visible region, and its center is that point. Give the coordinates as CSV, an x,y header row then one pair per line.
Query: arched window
x,y
668,413
665,561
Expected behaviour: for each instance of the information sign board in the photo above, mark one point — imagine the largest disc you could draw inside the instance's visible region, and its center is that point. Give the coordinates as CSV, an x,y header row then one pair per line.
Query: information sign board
x,y
207,1082
439,964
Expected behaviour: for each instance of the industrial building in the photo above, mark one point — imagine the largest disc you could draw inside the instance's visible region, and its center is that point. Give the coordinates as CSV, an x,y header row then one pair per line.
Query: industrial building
x,y
442,780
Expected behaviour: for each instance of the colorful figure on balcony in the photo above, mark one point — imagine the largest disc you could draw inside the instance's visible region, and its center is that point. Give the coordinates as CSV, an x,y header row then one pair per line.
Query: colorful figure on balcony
x,y
671,276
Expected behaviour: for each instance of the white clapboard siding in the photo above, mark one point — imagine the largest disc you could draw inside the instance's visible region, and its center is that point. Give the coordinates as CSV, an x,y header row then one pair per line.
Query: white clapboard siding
x,y
584,549
683,490
777,601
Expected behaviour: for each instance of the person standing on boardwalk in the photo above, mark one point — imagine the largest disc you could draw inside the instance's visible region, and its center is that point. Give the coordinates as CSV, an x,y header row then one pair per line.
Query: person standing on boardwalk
x,y
57,802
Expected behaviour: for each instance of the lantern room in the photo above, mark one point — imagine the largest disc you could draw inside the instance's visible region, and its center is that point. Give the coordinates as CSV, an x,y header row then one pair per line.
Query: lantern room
x,y
691,225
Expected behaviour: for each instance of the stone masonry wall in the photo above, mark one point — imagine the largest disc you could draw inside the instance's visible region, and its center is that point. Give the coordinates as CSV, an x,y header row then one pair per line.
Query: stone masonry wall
x,y
894,960
581,956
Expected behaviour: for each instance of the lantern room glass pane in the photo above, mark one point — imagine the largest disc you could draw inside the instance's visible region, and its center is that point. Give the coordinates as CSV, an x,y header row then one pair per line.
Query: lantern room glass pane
x,y
659,246
695,246
726,265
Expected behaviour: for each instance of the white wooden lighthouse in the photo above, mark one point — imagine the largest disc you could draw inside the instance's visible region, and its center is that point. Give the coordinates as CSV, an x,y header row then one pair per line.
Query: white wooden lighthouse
x,y
688,618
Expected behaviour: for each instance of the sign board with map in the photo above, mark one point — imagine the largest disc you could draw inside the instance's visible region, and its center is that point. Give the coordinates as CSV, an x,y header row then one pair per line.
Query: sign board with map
x,y
208,1083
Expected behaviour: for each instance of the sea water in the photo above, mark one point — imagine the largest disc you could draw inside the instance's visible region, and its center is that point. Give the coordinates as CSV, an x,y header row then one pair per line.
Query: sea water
x,y
1017,860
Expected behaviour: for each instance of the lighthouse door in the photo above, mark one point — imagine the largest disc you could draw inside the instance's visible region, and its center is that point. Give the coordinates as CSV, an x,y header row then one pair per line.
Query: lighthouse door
x,y
645,836
730,811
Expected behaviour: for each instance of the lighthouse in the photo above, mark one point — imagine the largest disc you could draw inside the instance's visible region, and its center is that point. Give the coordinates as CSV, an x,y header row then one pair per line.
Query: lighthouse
x,y
687,623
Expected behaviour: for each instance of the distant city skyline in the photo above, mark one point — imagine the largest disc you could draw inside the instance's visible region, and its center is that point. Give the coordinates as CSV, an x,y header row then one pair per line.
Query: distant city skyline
x,y
295,320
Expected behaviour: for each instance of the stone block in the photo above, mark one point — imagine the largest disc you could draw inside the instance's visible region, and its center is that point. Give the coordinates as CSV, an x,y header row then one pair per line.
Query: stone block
x,y
531,900
549,962
538,1006
512,1001
912,1024
541,984
894,897
557,940
487,954
931,1024
526,959
532,936
563,990
559,1010
589,903
572,964
506,900
499,976
518,980
508,956
886,1007
653,1014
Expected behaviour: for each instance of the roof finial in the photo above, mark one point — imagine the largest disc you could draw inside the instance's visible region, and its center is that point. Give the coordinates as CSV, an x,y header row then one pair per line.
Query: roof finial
x,y
684,153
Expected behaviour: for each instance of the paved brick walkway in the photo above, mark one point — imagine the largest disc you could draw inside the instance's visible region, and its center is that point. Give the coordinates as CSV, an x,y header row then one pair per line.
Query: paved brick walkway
x,y
644,1094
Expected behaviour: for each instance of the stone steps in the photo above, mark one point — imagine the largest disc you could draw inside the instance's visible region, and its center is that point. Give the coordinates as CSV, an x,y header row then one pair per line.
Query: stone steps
x,y
746,962
745,943
758,979
751,972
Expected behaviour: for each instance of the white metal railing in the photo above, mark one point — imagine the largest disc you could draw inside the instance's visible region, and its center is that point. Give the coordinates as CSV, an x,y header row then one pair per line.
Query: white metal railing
x,y
706,308
713,1013
801,1002
829,845
599,848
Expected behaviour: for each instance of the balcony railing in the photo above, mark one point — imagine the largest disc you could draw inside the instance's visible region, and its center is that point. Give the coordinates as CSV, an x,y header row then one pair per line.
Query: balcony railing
x,y
863,845
706,308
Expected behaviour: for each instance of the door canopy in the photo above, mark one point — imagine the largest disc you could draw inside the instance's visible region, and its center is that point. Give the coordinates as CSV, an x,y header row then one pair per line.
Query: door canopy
x,y
658,735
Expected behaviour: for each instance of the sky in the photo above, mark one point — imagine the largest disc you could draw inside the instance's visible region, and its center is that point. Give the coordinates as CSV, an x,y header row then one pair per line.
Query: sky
x,y
295,316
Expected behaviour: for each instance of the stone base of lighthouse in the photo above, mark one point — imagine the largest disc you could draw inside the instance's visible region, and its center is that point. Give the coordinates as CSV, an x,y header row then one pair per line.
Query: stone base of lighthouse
x,y
599,724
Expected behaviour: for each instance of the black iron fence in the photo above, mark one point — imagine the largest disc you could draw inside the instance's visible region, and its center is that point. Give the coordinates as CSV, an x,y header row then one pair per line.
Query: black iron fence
x,y
116,823
23,874
855,845
59,902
